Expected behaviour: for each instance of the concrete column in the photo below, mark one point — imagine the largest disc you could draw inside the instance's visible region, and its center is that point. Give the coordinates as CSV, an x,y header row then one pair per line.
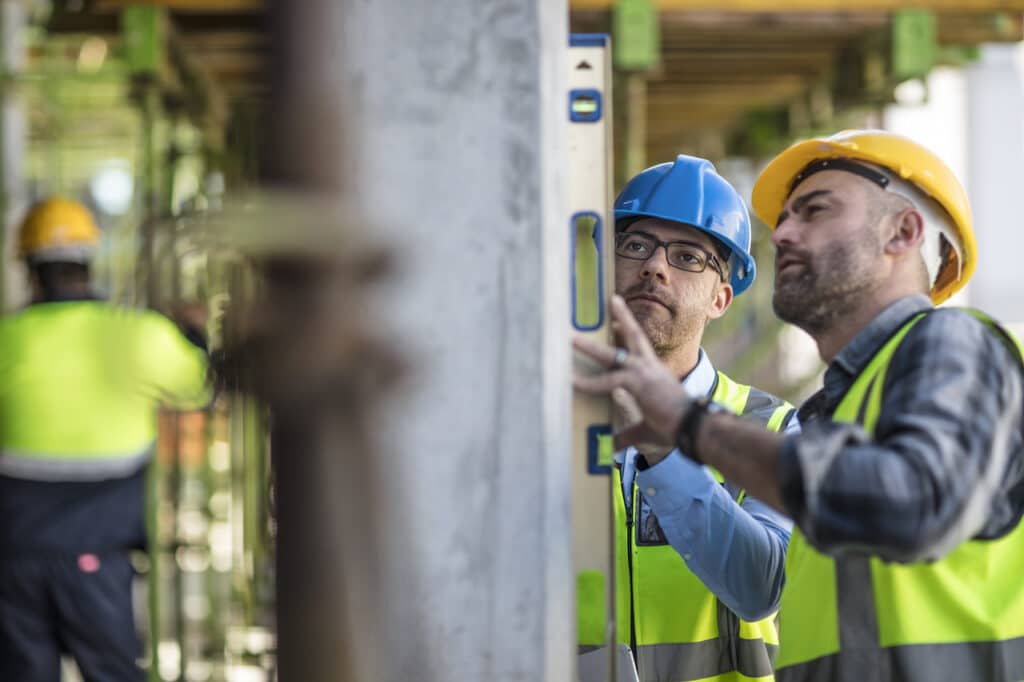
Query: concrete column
x,y
13,148
995,143
461,109
451,134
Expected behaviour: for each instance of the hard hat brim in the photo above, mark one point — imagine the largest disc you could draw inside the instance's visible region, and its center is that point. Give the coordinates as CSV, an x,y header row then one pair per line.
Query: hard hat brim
x,y
773,185
66,253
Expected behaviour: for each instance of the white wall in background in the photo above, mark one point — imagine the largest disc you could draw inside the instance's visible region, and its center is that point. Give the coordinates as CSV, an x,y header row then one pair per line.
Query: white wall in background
x,y
936,116
995,104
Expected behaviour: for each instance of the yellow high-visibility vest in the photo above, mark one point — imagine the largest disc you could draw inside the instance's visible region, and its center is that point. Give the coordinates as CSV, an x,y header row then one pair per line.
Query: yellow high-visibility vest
x,y
859,618
682,631
79,385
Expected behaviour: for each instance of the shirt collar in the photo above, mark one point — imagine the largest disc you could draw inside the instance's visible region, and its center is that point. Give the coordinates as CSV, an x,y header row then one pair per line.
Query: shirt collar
x,y
70,298
856,354
700,382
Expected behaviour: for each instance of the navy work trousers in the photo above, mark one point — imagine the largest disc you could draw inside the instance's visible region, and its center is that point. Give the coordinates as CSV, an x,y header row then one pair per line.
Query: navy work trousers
x,y
75,604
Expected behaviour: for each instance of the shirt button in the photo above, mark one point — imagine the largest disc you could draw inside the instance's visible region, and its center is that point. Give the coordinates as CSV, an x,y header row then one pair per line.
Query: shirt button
x,y
686,556
651,492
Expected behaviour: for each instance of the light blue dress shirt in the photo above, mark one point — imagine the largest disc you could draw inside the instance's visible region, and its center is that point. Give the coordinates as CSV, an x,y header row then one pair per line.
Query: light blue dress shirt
x,y
737,550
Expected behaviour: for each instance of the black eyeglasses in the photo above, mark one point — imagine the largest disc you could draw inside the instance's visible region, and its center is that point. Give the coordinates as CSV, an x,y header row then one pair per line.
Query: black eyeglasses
x,y
682,255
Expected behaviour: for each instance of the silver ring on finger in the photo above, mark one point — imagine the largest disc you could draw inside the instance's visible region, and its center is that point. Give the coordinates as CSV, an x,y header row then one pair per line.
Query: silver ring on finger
x,y
621,354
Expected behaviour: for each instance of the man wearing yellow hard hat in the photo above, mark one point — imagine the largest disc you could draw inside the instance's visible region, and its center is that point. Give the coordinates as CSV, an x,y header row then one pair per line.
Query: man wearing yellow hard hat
x,y
80,381
907,484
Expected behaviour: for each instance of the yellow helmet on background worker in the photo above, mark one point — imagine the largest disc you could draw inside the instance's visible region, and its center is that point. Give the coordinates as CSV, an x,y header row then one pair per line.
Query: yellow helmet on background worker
x,y
904,157
58,230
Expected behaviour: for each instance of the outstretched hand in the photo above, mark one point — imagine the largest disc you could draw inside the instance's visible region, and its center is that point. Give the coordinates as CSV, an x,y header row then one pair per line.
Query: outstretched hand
x,y
636,369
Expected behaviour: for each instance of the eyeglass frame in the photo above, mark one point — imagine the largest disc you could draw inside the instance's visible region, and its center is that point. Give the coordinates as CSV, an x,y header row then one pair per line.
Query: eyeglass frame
x,y
709,257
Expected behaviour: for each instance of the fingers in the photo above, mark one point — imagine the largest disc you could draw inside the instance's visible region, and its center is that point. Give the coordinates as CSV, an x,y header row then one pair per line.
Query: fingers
x,y
610,357
599,383
601,353
628,329
625,410
640,433
624,365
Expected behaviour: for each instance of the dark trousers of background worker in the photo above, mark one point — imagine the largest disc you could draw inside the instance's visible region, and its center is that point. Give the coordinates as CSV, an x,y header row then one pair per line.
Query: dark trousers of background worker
x,y
75,604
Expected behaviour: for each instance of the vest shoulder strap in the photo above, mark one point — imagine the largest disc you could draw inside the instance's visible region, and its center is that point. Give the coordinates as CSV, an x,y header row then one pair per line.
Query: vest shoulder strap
x,y
1009,339
863,400
865,396
752,403
730,394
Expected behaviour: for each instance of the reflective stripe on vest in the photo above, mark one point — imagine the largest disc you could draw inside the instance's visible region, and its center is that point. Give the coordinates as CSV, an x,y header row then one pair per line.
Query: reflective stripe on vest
x,y
682,631
970,661
42,467
710,659
960,618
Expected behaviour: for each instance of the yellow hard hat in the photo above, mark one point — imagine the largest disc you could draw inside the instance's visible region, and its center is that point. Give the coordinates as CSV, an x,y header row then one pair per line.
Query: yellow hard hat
x,y
902,156
58,229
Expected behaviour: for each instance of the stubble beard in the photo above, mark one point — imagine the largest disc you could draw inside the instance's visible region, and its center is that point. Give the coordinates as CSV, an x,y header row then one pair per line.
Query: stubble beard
x,y
814,301
668,334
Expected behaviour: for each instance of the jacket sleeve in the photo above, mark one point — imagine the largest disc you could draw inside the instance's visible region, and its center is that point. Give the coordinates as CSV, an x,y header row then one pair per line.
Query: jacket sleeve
x,y
173,368
943,461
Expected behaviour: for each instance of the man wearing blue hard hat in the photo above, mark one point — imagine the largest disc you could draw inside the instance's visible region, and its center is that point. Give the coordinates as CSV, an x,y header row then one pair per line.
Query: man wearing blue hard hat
x,y
700,564
907,483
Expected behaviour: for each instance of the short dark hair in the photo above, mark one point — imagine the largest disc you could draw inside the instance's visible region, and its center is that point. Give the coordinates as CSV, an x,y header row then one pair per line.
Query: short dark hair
x,y
58,276
723,251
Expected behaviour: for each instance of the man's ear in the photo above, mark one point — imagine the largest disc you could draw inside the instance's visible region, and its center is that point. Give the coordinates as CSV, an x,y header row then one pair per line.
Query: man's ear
x,y
721,301
907,232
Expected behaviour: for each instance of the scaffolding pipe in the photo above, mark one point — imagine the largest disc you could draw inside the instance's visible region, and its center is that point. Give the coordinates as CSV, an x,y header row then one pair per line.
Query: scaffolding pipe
x,y
323,471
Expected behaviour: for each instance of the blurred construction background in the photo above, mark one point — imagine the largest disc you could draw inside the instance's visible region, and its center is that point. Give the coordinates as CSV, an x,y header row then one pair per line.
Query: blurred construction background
x,y
161,115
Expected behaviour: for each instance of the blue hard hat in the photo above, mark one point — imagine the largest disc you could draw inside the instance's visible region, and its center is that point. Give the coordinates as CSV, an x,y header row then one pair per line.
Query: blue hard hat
x,y
690,191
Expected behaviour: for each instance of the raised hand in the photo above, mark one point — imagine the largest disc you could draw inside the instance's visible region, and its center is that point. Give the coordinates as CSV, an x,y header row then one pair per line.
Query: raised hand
x,y
635,369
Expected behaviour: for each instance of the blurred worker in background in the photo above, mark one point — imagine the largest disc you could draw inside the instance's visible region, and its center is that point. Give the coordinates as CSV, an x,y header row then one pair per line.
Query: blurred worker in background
x,y
80,382
907,484
700,564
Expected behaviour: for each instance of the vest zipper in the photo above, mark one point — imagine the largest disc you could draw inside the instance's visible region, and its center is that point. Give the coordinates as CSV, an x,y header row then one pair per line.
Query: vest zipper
x,y
632,592
729,632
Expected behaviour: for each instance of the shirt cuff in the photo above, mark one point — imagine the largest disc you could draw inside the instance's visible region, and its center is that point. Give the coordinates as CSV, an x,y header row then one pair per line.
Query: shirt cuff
x,y
674,482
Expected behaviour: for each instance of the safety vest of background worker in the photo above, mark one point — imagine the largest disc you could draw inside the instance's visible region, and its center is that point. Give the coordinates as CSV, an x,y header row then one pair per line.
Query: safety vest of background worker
x,y
676,626
854,617
80,383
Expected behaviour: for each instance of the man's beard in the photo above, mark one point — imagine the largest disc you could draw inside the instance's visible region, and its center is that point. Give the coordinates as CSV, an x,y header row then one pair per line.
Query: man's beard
x,y
825,291
666,333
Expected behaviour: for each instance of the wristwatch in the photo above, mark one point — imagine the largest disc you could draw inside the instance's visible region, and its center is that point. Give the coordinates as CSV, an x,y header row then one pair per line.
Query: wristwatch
x,y
689,426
